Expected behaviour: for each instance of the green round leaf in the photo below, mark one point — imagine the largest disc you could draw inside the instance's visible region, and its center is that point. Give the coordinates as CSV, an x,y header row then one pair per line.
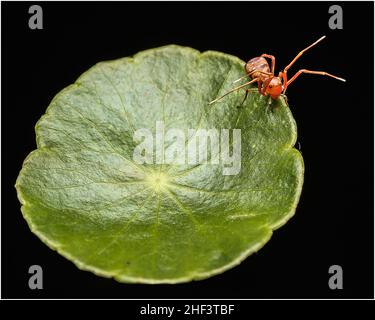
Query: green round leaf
x,y
84,195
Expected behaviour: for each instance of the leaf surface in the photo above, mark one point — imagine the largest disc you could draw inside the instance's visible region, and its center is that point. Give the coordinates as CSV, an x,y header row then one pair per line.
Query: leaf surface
x,y
84,195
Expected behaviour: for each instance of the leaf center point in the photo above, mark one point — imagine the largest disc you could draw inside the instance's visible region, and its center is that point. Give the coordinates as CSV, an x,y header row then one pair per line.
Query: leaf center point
x,y
158,181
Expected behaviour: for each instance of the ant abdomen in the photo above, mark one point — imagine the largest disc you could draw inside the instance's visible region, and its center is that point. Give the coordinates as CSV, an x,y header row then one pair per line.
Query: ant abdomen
x,y
257,63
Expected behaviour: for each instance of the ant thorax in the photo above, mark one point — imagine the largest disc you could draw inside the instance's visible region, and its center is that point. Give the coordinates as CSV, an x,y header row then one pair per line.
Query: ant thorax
x,y
275,82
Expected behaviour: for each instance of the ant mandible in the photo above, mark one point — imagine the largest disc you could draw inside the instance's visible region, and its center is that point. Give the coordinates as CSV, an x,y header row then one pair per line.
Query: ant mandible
x,y
269,84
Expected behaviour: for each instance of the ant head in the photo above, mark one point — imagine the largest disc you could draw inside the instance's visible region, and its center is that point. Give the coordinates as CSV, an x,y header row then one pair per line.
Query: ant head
x,y
275,87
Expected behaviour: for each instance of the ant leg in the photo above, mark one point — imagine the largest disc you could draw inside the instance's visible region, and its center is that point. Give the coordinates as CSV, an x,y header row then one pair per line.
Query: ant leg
x,y
285,97
302,52
295,59
272,59
247,92
312,72
239,79
285,81
235,89
245,97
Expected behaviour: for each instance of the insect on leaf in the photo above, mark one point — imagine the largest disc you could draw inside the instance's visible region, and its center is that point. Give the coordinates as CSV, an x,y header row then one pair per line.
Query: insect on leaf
x,y
84,194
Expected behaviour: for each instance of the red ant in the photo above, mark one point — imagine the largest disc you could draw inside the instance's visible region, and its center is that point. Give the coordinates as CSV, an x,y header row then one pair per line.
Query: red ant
x,y
268,84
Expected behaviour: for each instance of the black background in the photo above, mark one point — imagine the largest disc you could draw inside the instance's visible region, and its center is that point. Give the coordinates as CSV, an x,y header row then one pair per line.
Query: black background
x,y
334,219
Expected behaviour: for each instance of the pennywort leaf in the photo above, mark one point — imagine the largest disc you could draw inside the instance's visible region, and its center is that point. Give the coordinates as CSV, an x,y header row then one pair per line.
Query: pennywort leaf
x,y
113,186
